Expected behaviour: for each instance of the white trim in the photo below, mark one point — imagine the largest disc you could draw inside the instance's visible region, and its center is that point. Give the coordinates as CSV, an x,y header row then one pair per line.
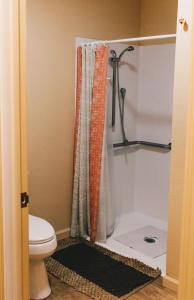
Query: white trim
x,y
129,40
63,233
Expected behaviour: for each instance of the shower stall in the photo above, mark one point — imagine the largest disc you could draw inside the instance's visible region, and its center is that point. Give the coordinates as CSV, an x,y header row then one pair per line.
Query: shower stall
x,y
140,92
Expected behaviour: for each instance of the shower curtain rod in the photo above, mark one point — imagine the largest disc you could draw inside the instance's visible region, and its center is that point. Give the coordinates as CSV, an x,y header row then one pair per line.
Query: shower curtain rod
x,y
138,39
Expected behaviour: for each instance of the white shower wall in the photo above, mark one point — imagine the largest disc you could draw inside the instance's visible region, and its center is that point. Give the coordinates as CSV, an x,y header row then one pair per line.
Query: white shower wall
x,y
141,175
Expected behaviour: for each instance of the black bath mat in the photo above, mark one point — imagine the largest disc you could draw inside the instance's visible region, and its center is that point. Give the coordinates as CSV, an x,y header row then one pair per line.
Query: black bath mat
x,y
98,272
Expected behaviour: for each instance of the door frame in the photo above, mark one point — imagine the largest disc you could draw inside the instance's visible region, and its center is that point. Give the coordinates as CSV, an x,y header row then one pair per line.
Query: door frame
x,y
23,146
14,261
186,262
15,94
1,235
181,129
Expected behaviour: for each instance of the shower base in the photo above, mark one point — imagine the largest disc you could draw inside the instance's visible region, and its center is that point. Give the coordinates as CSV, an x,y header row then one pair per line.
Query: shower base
x,y
133,222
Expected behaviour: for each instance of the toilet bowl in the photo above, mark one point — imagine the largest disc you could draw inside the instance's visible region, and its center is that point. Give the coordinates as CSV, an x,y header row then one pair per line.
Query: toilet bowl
x,y
42,243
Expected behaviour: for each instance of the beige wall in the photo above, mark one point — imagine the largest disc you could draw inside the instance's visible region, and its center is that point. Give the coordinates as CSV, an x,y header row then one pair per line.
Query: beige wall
x,y
158,17
52,28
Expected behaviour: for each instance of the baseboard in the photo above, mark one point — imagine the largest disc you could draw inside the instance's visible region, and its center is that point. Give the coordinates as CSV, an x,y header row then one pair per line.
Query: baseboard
x,y
63,233
170,283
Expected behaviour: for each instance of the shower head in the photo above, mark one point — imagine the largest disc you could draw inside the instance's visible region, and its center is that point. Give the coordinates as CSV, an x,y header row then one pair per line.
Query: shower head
x,y
113,52
130,48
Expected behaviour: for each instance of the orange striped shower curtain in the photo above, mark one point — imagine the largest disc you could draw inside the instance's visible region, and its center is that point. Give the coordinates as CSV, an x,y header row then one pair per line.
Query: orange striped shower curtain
x,y
91,208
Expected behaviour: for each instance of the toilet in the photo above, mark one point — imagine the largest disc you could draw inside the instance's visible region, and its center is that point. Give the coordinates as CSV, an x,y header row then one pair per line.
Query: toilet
x,y
42,243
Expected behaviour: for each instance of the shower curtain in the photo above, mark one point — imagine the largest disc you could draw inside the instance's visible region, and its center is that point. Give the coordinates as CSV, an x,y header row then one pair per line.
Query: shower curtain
x,y
92,213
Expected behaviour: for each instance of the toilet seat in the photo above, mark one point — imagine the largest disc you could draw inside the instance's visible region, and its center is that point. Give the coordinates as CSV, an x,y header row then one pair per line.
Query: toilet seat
x,y
40,231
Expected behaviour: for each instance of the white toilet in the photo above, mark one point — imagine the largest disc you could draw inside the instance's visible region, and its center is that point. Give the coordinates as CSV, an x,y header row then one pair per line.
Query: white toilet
x,y
42,243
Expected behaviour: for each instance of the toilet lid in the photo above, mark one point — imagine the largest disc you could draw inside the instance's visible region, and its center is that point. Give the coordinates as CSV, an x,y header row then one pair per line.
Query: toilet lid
x,y
40,231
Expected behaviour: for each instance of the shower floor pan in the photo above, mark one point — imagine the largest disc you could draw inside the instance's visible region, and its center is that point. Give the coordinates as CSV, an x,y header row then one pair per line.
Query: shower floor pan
x,y
128,239
147,240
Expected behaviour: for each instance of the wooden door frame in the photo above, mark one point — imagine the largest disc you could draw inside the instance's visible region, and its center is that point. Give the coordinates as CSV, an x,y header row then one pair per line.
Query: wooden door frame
x,y
186,275
14,282
186,270
182,124
18,182
1,234
10,149
187,150
23,147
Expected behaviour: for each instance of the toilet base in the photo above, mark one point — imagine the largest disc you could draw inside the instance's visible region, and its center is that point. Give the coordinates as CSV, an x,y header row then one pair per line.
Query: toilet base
x,y
39,284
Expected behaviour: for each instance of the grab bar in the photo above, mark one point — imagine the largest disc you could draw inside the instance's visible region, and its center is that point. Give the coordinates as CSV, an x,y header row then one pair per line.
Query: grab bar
x,y
143,143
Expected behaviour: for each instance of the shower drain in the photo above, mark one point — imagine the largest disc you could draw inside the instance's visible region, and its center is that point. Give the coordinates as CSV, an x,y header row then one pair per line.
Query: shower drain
x,y
150,240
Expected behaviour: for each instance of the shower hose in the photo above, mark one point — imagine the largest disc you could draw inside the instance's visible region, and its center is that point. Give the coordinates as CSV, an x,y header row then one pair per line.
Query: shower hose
x,y
121,100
